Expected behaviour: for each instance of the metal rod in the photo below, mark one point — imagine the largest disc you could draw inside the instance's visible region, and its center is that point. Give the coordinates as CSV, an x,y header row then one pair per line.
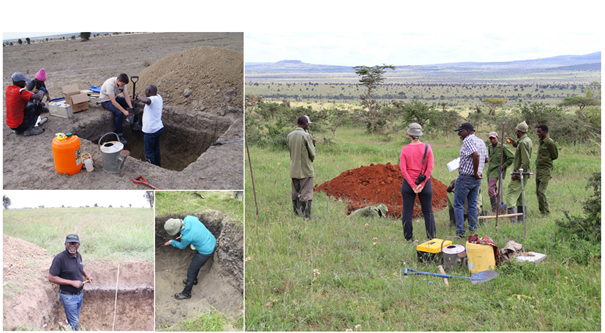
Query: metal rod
x,y
251,175
115,307
502,216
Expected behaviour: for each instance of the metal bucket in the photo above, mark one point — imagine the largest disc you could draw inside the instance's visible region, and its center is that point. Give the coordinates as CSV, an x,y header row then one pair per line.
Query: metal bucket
x,y
453,255
113,154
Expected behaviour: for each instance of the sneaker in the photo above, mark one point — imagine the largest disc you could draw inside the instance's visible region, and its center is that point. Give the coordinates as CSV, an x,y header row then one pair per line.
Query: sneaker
x,y
194,282
42,121
33,131
181,296
192,247
122,140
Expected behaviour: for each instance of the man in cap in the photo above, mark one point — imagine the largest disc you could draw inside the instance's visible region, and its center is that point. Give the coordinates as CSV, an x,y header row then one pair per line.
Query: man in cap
x,y
67,270
494,171
547,152
193,232
302,154
20,117
522,155
117,105
473,155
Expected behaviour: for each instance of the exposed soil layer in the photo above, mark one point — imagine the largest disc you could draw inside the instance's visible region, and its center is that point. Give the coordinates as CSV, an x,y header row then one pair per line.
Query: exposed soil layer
x,y
200,77
376,184
220,281
34,302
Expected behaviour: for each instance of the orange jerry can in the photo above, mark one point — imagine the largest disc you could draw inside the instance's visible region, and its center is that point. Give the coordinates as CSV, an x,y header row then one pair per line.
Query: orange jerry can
x,y
67,154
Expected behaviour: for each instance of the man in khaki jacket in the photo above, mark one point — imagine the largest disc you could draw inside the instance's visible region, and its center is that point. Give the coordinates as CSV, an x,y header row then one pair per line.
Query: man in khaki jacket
x,y
302,154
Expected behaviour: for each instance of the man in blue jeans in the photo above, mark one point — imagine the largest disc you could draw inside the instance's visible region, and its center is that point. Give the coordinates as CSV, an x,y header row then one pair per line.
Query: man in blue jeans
x,y
473,154
152,123
68,272
193,232
120,106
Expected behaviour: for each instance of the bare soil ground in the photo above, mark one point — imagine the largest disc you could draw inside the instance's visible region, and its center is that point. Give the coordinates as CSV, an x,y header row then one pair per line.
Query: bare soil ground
x,y
30,300
200,77
220,281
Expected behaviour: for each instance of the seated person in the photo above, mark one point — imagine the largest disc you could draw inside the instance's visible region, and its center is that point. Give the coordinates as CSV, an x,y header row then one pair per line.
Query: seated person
x,y
117,105
39,83
20,116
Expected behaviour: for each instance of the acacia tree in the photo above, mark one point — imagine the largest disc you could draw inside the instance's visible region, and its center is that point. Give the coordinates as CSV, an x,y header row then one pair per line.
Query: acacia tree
x,y
85,36
493,103
6,201
150,196
371,77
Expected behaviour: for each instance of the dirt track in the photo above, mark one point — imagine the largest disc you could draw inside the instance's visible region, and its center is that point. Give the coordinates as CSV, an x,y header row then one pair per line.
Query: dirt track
x,y
220,283
191,125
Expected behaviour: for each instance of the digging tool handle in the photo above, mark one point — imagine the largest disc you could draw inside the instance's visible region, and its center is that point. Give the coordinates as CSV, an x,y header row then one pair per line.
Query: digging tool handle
x,y
408,271
134,85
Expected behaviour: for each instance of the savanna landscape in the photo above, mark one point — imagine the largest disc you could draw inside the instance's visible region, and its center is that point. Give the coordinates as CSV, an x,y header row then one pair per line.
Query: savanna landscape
x,y
342,273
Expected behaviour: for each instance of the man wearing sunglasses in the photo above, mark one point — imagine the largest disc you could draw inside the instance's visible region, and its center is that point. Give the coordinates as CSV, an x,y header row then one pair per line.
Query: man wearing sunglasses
x,y
67,270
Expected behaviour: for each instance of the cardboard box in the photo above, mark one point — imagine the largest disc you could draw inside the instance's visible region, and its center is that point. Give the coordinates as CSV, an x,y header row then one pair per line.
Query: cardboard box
x,y
73,97
60,109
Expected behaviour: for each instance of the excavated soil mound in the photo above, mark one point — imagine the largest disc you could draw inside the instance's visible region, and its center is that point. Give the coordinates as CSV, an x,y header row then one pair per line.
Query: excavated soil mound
x,y
199,79
30,300
220,281
376,184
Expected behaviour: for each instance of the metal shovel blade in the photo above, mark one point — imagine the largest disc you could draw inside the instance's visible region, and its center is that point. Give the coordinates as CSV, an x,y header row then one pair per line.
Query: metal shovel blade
x,y
483,276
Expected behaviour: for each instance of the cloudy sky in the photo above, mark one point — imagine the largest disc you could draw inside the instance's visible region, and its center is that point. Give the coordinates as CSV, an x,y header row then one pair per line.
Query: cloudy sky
x,y
20,199
352,49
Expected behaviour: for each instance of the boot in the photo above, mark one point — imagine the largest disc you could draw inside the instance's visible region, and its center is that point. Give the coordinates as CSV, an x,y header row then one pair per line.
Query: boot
x,y
513,219
307,210
122,140
33,131
452,218
194,282
494,202
521,209
298,209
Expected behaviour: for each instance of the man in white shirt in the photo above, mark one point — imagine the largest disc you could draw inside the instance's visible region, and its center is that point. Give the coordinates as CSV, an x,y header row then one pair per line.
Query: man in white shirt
x,y
152,123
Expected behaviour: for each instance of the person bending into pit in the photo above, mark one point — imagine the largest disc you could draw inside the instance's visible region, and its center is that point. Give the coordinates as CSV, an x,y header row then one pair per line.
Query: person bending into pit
x,y
302,154
416,163
20,116
67,270
193,233
117,105
152,123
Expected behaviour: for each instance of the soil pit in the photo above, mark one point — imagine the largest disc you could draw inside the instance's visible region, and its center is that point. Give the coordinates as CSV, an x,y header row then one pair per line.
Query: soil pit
x,y
376,184
185,138
220,281
30,300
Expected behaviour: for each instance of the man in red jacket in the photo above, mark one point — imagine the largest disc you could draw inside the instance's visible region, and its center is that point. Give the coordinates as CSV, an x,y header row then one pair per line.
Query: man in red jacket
x,y
20,117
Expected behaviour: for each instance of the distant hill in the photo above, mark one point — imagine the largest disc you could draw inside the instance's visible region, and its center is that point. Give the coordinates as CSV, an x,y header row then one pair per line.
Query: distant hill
x,y
587,62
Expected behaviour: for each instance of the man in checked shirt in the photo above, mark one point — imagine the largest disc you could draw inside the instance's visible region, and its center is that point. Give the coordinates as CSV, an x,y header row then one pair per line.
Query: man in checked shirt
x,y
473,154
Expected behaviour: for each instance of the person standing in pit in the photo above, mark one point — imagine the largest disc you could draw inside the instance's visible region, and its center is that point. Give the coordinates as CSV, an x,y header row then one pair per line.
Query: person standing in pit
x,y
67,270
193,233
152,123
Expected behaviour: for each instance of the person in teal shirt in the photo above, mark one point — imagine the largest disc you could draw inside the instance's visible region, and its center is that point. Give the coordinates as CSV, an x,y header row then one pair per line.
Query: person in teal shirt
x,y
193,233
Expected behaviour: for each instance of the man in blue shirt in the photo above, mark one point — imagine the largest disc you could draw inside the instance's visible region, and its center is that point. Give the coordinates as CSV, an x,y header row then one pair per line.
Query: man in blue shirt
x,y
473,154
193,232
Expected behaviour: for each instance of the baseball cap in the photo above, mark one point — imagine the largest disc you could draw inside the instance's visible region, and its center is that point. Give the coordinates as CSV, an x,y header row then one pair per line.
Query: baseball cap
x,y
18,76
466,126
308,120
493,135
72,238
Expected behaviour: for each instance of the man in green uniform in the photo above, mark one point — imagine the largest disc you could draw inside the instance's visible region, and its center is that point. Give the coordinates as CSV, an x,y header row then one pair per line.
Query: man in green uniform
x,y
302,154
522,155
493,171
547,152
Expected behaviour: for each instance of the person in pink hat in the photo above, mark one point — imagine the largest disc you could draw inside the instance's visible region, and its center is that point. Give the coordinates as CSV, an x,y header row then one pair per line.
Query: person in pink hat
x,y
38,83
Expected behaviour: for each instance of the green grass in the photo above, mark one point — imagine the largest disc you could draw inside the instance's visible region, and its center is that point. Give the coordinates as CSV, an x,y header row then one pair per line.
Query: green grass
x,y
327,275
109,234
186,202
212,321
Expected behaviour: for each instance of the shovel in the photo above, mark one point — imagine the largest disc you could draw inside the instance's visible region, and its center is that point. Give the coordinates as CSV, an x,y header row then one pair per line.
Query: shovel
x,y
134,84
475,278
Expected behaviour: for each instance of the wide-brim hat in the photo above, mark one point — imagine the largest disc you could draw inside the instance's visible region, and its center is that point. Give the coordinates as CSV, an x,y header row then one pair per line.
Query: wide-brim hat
x,y
522,126
173,226
414,129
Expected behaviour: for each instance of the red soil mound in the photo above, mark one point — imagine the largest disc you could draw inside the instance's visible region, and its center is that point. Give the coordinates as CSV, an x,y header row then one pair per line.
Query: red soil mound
x,y
376,184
